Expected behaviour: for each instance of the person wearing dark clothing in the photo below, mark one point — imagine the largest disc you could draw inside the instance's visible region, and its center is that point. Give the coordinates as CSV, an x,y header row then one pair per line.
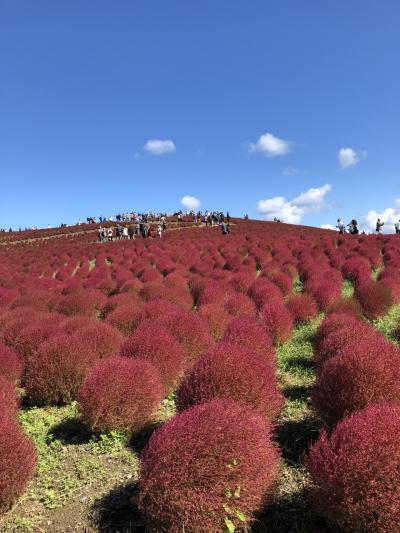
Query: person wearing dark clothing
x,y
379,225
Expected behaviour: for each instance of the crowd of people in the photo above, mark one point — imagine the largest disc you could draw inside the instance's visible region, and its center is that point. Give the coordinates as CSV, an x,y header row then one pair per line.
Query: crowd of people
x,y
141,224
354,230
210,218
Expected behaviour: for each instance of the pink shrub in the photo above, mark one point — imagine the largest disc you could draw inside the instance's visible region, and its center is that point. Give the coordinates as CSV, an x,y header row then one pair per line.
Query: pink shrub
x,y
249,333
263,291
355,473
55,374
278,321
375,298
101,338
120,393
10,364
198,459
217,319
338,339
17,462
9,402
303,308
365,371
190,330
125,317
155,344
225,372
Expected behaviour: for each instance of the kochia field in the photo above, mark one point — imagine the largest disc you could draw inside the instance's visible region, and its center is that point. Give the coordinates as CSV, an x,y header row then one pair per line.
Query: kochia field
x,y
200,382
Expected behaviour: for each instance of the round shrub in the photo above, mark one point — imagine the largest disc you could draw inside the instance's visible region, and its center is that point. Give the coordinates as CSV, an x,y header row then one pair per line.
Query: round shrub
x,y
75,323
278,321
9,401
125,317
217,319
338,339
239,304
249,333
364,372
355,473
303,308
346,305
326,294
153,342
102,338
33,335
120,393
87,303
10,364
17,462
226,372
263,291
283,281
55,374
332,322
375,298
190,330
211,462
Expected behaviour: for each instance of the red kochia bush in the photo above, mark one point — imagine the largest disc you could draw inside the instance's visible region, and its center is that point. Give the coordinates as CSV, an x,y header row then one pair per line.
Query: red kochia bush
x,y
233,373
263,291
125,317
332,322
102,339
120,393
34,334
278,321
355,474
364,372
341,337
152,342
303,307
217,319
205,465
249,332
17,462
190,330
86,303
239,304
375,298
346,305
10,364
9,402
60,365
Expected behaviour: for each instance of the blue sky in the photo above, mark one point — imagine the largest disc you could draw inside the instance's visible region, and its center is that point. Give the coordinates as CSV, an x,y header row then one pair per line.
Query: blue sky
x,y
251,103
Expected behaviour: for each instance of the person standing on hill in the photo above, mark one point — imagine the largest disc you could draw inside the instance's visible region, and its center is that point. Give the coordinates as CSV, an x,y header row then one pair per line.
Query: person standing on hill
x,y
340,225
397,227
379,225
353,227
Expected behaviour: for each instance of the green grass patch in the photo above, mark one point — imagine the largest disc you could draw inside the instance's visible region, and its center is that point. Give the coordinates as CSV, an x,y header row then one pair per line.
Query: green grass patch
x,y
347,289
388,323
297,285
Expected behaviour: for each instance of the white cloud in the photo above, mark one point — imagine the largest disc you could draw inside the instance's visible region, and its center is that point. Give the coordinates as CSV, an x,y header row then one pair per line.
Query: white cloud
x,y
389,216
349,158
159,147
290,171
327,226
270,146
292,211
190,202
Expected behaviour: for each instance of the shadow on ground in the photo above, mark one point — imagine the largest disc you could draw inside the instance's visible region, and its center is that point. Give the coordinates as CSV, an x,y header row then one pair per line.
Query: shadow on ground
x,y
117,511
295,437
291,516
71,431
